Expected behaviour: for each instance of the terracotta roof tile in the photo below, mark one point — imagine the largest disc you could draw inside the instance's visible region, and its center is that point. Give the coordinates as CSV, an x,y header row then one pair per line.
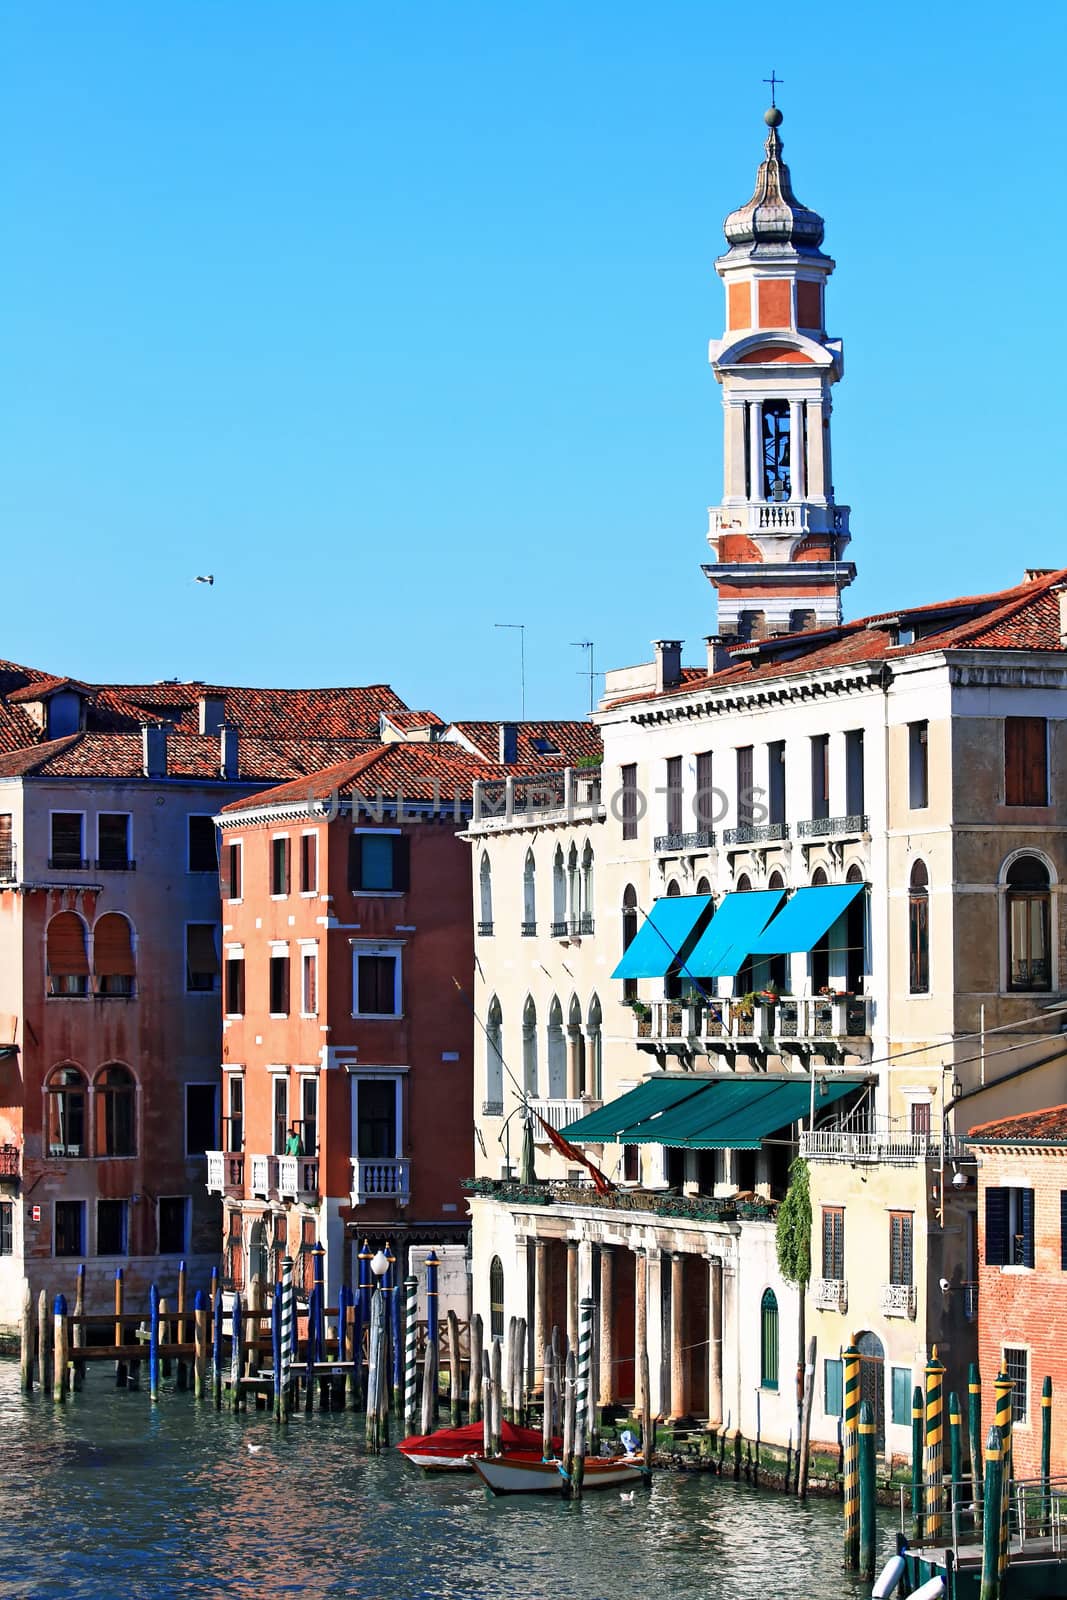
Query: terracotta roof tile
x,y
407,720
119,755
418,771
568,742
1031,1127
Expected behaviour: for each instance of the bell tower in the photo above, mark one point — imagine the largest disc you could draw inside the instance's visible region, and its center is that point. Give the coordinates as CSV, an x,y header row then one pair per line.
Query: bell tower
x,y
778,536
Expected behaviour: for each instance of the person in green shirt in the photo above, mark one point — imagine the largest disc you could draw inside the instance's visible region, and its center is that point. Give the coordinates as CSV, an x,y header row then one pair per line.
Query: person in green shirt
x,y
294,1145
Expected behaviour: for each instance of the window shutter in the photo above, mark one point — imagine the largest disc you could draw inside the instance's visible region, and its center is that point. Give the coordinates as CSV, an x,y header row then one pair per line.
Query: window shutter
x,y
1014,780
402,862
66,946
996,1227
1035,761
203,957
1026,1225
355,861
112,947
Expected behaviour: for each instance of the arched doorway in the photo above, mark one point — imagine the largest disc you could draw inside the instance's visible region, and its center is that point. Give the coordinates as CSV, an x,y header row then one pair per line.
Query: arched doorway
x,y
872,1381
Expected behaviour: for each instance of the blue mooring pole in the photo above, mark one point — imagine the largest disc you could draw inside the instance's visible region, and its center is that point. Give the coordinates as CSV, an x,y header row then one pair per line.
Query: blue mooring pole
x,y
153,1344
216,1343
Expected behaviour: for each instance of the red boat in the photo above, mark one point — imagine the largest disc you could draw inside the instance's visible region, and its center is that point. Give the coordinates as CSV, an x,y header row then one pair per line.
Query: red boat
x,y
450,1449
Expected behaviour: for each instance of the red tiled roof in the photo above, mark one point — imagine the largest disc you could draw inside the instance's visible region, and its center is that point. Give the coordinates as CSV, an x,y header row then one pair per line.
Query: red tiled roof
x,y
189,755
1030,1127
571,741
406,720
418,771
1025,617
341,713
41,687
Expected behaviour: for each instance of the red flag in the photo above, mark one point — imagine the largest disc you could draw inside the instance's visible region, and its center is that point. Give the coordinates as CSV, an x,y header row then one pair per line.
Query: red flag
x,y
569,1153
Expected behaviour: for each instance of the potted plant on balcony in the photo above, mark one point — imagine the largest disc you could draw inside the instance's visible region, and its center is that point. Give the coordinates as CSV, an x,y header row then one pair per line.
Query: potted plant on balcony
x,y
640,1008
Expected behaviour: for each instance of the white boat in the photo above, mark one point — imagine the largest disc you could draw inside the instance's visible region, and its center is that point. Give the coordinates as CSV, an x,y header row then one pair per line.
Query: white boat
x,y
521,1472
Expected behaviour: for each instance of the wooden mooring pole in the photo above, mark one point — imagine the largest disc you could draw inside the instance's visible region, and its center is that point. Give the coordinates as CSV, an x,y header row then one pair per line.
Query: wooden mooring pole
x,y
804,1446
200,1344
496,1397
77,1336
61,1349
474,1385
44,1341
181,1370
455,1372
216,1348
26,1338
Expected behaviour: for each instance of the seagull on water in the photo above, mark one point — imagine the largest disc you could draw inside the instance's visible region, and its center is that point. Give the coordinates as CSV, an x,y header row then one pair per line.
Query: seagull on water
x,y
624,1496
254,1449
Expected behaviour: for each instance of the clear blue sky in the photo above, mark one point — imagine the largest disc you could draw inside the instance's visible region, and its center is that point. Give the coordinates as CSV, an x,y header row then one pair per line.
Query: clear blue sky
x,y
394,317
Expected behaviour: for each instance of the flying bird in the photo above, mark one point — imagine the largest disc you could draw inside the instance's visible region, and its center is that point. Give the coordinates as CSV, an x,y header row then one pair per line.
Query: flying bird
x,y
209,579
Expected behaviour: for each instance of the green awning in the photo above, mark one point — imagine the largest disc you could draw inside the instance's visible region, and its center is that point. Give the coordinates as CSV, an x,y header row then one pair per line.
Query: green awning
x,y
649,1099
735,1112
806,916
665,936
727,941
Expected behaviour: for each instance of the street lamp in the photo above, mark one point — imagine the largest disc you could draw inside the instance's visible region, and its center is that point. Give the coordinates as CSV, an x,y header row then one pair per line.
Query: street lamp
x,y
379,1264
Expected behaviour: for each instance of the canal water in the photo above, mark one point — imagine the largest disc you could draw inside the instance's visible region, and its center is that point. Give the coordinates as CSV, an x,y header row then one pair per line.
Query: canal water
x,y
104,1497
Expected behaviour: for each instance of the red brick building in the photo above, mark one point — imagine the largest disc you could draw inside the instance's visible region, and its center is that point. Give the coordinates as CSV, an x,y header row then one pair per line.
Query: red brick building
x,y
1022,1273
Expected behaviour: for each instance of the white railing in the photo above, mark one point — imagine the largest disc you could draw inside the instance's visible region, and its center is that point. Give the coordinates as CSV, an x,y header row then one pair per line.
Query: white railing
x,y
830,1294
898,1300
380,1180
297,1175
225,1170
264,1175
560,1114
894,1145
812,1021
774,516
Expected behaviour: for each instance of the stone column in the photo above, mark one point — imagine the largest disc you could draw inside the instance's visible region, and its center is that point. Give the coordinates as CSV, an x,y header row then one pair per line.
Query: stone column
x,y
654,1331
715,1340
817,480
541,1323
572,1294
574,1087
607,1393
679,1354
755,448
734,453
798,486
640,1323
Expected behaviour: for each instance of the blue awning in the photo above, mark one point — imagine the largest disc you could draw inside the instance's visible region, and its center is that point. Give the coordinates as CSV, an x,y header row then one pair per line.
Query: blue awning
x,y
729,938
806,916
665,936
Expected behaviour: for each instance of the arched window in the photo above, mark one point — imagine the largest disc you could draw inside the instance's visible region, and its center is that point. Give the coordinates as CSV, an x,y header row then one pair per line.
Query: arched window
x,y
574,910
576,1043
586,889
559,895
557,1053
116,1112
703,886
593,1070
777,966
113,955
1029,898
66,1112
529,895
673,889
529,1046
485,896
744,884
776,449
672,979
768,1343
494,1060
919,929
629,934
496,1298
819,960
856,935
68,960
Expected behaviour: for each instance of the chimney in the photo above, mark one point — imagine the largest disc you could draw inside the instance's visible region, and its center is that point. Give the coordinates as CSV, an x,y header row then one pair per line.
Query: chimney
x,y
1060,591
509,743
228,746
212,712
718,655
154,750
668,663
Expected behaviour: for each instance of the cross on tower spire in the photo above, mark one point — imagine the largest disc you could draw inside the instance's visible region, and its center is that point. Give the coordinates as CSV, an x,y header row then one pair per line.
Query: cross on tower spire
x,y
773,81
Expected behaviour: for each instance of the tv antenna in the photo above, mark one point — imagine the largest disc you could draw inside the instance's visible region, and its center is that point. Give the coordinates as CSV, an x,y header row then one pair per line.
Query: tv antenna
x,y
520,628
589,671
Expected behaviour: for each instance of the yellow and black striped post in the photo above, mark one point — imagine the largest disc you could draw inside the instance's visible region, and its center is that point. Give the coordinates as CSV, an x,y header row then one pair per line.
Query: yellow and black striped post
x,y
1002,1422
850,1358
935,1449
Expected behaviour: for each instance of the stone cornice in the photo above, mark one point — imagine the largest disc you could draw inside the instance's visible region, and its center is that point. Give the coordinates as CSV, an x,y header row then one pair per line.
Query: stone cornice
x,y
732,699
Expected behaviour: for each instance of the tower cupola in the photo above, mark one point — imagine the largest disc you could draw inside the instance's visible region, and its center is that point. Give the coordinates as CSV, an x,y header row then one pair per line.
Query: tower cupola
x,y
779,534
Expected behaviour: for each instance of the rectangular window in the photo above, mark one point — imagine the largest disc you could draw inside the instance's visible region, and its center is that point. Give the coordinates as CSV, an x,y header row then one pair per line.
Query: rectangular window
x,y
704,799
279,986
309,996
173,1225
900,1248
833,1243
235,1119
674,794
203,846
376,1119
309,1115
309,863
377,985
1009,1227
113,841
201,958
900,1396
281,1113
201,1118
279,866
745,796
111,1227
631,1163
1025,761
918,765
378,863
919,1117
629,801
7,1217
833,1387
67,840
235,986
7,848
70,1228
1017,1367
820,775
854,786
233,871
776,781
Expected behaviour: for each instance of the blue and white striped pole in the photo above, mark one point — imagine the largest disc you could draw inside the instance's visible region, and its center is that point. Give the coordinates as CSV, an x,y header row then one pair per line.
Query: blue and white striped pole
x,y
236,1332
392,1284
288,1317
432,1265
411,1301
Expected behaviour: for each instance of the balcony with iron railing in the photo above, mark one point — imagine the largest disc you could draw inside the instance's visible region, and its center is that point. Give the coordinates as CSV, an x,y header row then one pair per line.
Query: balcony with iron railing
x,y
708,1025
378,1178
225,1172
10,1161
880,1143
755,834
679,843
485,930
528,930
854,826
559,1113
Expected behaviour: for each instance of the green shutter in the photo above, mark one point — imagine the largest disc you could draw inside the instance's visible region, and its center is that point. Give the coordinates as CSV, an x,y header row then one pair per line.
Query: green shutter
x,y
833,1387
